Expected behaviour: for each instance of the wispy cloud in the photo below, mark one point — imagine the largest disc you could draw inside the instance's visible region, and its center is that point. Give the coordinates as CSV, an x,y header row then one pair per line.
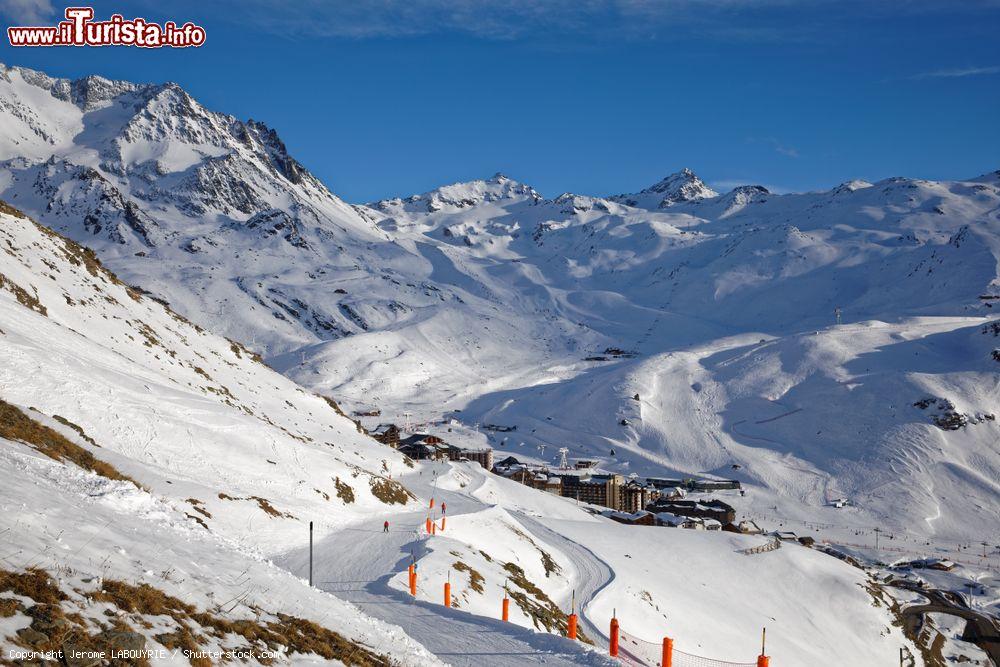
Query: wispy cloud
x,y
742,20
777,146
958,72
27,12
513,19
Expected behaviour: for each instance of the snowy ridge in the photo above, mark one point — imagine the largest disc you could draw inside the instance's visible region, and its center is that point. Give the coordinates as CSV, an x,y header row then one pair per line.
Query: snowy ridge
x,y
461,195
684,186
471,295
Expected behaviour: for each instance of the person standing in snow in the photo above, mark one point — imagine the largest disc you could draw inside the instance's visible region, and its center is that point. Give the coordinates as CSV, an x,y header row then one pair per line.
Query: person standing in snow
x,y
385,527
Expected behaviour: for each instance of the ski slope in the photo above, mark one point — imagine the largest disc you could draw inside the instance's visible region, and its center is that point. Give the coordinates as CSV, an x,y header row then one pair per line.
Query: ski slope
x,y
693,586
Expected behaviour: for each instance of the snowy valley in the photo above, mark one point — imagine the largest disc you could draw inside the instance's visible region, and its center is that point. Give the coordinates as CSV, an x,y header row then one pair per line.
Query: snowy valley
x,y
174,423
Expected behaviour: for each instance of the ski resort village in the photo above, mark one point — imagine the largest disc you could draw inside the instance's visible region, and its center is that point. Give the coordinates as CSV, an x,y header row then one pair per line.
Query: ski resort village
x,y
245,421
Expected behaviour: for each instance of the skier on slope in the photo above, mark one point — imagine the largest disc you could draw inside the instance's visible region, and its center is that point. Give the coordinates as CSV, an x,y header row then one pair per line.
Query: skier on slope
x,y
385,527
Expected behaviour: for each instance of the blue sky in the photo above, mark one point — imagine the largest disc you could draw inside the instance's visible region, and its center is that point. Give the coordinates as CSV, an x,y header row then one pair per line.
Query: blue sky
x,y
385,97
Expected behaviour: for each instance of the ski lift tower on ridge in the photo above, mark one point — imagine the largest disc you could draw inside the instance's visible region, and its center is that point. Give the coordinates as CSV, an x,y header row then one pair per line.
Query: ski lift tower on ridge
x,y
563,460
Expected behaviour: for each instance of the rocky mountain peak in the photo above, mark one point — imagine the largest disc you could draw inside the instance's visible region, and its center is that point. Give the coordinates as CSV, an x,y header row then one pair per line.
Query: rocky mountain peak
x,y
682,186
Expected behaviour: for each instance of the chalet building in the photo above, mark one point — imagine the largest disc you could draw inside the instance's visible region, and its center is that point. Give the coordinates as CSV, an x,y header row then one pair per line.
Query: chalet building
x,y
536,477
506,463
603,490
745,526
387,434
640,518
553,485
483,457
421,446
942,564
671,492
636,496
675,521
419,451
695,484
704,509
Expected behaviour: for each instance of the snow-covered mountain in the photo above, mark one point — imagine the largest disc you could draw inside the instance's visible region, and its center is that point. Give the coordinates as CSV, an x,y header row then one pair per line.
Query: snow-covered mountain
x,y
476,295
679,188
814,346
161,476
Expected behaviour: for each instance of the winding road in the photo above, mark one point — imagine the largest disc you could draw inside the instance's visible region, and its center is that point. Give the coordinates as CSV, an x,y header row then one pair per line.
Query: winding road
x,y
980,629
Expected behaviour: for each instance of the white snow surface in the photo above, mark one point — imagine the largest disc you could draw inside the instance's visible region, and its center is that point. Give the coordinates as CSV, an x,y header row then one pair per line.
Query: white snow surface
x,y
835,344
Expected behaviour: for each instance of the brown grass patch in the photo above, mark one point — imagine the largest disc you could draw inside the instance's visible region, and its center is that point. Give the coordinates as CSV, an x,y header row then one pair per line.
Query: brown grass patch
x,y
15,425
262,503
533,601
390,491
32,583
344,491
333,404
142,599
297,634
10,210
475,579
76,427
23,296
199,507
9,607
52,628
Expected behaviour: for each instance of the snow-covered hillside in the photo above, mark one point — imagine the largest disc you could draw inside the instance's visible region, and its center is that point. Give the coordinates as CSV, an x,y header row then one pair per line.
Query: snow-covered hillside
x,y
154,469
473,296
139,448
836,344
483,297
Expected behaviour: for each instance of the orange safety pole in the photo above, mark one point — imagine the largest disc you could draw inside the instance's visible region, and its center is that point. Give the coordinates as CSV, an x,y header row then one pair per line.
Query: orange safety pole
x,y
505,613
442,521
447,594
427,525
434,528
432,502
762,659
413,584
668,653
571,626
613,647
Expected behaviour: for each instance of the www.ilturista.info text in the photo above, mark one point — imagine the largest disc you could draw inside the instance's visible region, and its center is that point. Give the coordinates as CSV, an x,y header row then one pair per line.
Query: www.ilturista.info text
x,y
79,29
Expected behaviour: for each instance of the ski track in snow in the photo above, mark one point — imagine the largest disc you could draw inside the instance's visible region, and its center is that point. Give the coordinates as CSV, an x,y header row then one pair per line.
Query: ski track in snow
x,y
356,564
593,574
